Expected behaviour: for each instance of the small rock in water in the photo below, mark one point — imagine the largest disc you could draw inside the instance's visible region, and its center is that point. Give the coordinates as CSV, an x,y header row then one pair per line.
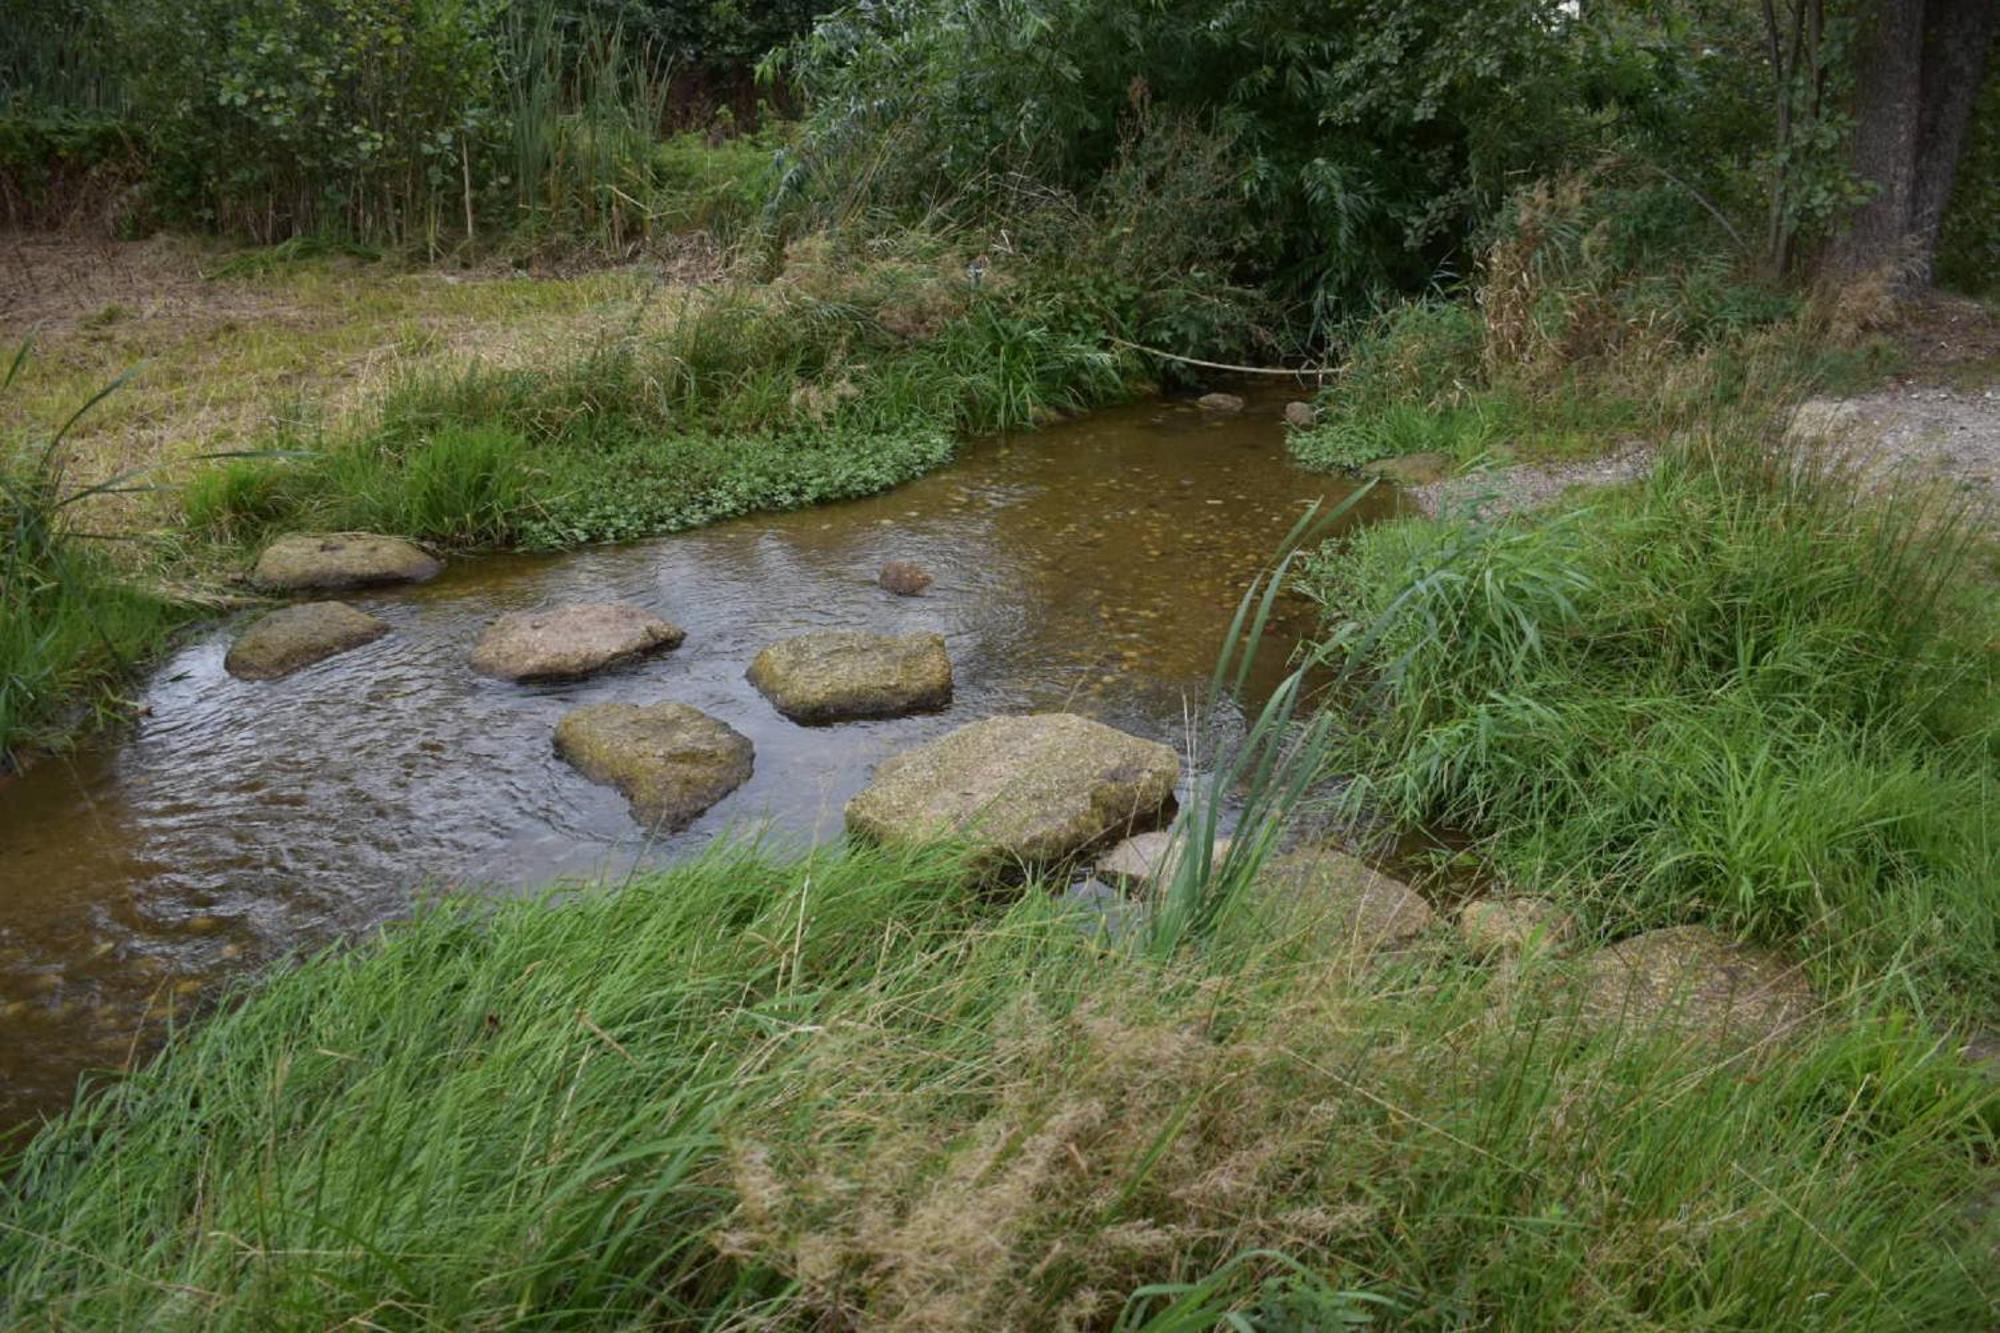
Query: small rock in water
x,y
570,642
1421,469
1699,982
670,760
303,561
1301,414
1149,859
292,637
1374,910
840,675
1510,927
1220,402
1021,790
903,578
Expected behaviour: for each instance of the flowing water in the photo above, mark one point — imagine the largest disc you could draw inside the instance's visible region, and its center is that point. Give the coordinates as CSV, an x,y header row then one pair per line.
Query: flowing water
x,y
1093,566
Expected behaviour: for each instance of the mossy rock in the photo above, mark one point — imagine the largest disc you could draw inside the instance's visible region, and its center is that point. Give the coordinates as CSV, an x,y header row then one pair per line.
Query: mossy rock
x,y
671,761
1149,860
1422,469
1373,910
292,637
1698,982
846,675
1512,927
570,642
1020,790
301,562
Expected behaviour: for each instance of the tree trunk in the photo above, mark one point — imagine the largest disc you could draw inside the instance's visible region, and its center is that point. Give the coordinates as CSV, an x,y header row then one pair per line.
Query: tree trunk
x,y
1958,34
1888,59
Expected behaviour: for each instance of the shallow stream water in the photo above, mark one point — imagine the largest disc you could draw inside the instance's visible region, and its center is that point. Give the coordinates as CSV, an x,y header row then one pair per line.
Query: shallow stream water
x,y
1093,566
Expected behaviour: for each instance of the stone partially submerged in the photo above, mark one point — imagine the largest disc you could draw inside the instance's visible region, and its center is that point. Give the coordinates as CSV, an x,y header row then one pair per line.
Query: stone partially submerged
x,y
671,761
839,675
1696,981
1373,910
304,561
570,642
1020,790
292,637
1146,860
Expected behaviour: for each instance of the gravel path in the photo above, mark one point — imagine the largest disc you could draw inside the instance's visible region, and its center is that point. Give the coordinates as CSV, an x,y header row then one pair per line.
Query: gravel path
x,y
1949,434
1496,493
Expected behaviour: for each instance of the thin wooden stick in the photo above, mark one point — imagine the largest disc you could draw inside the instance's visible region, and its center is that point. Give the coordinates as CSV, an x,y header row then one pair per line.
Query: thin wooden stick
x,y
1298,374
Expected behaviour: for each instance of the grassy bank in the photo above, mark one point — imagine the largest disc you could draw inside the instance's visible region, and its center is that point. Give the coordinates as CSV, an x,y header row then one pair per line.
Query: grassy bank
x,y
852,1091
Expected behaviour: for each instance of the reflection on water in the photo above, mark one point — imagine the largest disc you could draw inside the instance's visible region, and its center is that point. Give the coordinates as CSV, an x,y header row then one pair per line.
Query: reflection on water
x,y
1093,566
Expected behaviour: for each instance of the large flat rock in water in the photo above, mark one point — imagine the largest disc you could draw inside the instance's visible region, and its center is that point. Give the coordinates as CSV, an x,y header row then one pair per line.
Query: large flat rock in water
x,y
1698,982
842,675
670,760
1374,910
569,642
297,636
1020,789
303,561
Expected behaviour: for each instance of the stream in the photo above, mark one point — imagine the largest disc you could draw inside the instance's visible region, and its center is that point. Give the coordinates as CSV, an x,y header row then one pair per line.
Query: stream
x,y
1092,566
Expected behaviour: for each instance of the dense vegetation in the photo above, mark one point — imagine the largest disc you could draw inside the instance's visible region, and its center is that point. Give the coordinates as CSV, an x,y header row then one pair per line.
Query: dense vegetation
x,y
1748,690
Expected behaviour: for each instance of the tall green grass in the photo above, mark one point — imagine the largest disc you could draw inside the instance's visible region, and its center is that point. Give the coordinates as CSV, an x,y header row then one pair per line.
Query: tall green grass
x,y
1754,689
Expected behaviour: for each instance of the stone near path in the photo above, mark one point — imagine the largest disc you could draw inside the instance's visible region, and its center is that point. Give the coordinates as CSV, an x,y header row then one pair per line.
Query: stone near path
x,y
1146,860
1511,927
1422,469
1374,910
1020,790
570,642
1696,981
903,578
1220,402
671,761
1301,414
297,636
304,561
839,675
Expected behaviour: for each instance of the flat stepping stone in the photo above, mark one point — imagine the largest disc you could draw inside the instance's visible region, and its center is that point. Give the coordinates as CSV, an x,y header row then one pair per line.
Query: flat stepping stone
x,y
570,642
1699,982
840,675
1374,910
671,761
292,637
1511,927
1145,860
1020,790
303,561
1225,403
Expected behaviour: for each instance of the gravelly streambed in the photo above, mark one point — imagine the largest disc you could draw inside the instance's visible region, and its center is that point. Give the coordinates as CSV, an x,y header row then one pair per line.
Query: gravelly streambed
x,y
1092,566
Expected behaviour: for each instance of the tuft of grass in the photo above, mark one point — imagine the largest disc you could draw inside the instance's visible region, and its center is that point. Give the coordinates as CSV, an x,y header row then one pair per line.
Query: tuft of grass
x,y
1751,690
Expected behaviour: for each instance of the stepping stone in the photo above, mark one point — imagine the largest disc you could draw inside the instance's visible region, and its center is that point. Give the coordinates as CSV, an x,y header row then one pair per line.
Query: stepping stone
x,y
671,761
1510,927
1220,402
303,561
570,642
1146,859
297,636
1697,981
1413,469
840,675
1019,790
1374,910
903,578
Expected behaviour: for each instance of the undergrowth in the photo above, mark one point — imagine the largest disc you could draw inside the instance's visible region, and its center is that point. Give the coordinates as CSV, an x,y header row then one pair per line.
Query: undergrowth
x,y
852,1091
1749,690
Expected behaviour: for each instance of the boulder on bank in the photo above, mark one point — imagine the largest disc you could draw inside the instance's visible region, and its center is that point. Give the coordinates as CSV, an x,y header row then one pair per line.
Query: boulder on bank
x,y
570,642
297,636
1020,789
840,675
1226,403
1422,469
1301,414
670,760
1374,910
903,578
1697,981
302,561
1147,860
1511,927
